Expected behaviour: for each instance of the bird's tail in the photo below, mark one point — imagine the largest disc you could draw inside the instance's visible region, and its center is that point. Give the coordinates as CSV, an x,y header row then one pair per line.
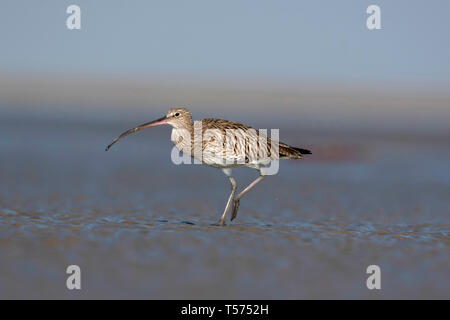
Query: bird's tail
x,y
302,151
289,152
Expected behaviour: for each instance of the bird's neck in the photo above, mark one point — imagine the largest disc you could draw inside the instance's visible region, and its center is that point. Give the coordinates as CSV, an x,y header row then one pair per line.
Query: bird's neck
x,y
182,138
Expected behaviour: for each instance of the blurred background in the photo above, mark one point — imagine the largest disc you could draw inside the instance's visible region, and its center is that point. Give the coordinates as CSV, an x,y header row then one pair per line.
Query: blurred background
x,y
373,106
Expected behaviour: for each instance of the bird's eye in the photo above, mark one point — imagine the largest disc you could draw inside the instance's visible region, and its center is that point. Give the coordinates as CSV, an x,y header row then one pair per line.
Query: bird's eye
x,y
177,114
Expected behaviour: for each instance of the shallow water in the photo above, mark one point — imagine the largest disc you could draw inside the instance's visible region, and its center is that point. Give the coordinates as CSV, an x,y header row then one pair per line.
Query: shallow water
x,y
139,226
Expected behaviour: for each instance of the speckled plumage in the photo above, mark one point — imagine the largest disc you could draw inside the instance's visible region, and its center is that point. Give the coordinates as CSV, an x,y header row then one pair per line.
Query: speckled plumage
x,y
230,144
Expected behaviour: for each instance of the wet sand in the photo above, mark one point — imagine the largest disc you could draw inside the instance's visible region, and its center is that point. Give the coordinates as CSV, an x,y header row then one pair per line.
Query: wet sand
x,y
139,226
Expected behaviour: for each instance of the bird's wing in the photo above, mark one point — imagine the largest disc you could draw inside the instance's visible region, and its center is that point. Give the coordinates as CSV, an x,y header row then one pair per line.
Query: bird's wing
x,y
248,142
240,142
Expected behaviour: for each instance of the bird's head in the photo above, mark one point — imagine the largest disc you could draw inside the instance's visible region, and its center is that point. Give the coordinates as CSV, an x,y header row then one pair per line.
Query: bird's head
x,y
176,117
179,118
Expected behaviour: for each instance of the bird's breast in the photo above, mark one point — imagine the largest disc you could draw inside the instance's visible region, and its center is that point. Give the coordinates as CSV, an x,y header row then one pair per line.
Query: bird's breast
x,y
183,140
178,138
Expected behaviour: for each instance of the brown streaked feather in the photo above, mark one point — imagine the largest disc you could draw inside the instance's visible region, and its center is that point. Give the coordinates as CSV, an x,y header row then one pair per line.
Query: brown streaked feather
x,y
289,152
286,151
251,142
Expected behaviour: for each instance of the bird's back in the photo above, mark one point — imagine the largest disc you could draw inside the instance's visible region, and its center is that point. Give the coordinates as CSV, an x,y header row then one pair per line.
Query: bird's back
x,y
227,143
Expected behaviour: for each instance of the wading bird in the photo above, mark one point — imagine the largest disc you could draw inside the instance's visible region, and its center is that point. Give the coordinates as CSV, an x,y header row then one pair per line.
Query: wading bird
x,y
222,144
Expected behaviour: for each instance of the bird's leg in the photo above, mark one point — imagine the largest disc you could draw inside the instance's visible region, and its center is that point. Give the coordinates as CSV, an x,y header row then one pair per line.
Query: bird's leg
x,y
221,222
239,196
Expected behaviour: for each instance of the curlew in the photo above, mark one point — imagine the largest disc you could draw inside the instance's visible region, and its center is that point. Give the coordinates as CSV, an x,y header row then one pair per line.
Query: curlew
x,y
225,145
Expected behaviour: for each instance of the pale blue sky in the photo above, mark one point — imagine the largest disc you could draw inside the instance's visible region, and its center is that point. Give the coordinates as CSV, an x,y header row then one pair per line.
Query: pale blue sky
x,y
288,39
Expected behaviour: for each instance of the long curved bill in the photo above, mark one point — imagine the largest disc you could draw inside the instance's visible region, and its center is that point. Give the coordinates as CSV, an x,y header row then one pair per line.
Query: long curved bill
x,y
157,122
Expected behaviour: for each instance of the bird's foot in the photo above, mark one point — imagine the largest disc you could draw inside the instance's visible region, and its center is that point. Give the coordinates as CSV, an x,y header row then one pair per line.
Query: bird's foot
x,y
235,209
220,223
